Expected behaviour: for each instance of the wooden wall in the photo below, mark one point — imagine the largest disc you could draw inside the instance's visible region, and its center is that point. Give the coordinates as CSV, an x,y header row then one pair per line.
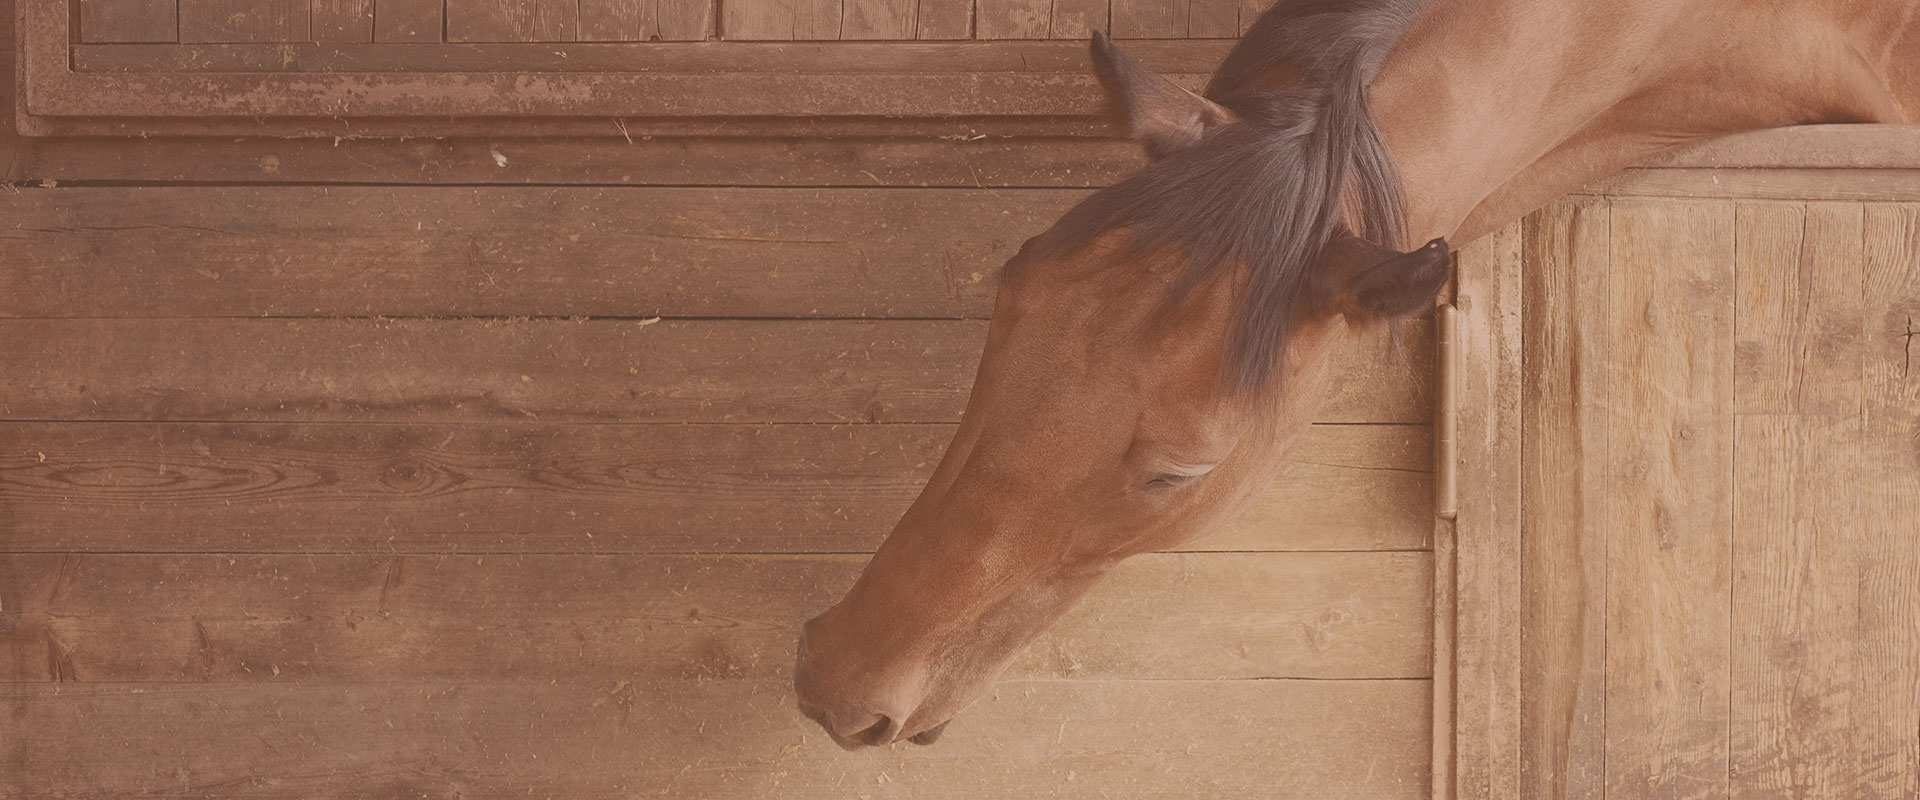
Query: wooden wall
x,y
1722,478
509,467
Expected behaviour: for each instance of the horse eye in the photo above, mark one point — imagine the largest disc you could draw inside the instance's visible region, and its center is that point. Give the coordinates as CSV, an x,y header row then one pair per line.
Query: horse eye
x,y
1170,480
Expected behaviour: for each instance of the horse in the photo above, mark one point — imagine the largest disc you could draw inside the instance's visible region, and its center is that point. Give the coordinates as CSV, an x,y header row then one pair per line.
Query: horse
x,y
1154,354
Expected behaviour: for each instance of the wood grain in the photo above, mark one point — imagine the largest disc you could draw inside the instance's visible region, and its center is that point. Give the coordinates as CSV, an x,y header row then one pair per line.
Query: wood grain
x,y
879,19
1563,638
1669,498
619,20
1149,19
1799,325
129,20
1228,739
514,251
409,20
1078,19
246,21
1887,654
760,20
943,19
226,618
513,20
1011,19
601,370
343,20
396,488
715,161
1486,714
686,20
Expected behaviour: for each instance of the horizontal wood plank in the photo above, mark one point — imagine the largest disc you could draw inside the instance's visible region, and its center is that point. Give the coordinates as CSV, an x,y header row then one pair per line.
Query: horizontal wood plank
x,y
1273,740
240,618
963,160
1764,184
600,370
388,488
513,251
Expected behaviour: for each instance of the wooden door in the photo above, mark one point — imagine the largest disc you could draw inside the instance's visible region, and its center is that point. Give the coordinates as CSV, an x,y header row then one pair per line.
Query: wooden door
x,y
1720,571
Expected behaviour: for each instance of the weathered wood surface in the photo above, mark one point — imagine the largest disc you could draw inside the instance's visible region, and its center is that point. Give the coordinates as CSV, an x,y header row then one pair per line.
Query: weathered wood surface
x,y
512,20
409,21
246,20
1177,57
394,488
602,370
1563,629
1730,382
342,20
1227,739
128,20
241,618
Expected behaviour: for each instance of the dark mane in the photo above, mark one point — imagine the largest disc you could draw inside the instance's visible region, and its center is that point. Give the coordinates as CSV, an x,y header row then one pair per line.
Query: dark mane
x,y
1306,163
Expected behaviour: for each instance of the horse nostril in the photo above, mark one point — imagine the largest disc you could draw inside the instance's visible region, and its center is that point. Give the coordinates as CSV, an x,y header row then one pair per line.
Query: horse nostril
x,y
930,735
879,733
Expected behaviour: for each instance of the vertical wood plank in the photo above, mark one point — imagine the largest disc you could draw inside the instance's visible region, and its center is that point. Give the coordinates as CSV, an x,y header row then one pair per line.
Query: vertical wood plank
x,y
1563,634
407,20
619,20
1012,19
1486,709
1213,19
207,21
1149,19
943,19
879,19
513,20
1077,19
686,20
1796,583
818,20
1250,10
343,20
1887,717
1798,327
1669,506
120,21
757,20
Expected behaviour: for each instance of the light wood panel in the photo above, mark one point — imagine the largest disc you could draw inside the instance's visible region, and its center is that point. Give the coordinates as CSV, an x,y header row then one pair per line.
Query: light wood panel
x,y
512,20
342,20
603,370
1229,739
1669,498
238,618
1564,531
409,21
397,488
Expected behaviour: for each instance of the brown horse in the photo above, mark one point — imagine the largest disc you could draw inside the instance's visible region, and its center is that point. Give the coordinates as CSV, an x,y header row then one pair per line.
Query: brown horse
x,y
1153,355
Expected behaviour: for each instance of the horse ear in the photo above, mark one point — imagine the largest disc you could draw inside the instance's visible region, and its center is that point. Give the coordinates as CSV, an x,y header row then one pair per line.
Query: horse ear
x,y
1381,283
1163,116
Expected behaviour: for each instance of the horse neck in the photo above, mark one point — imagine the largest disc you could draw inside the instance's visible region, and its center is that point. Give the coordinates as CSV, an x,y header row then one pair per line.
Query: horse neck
x,y
1492,108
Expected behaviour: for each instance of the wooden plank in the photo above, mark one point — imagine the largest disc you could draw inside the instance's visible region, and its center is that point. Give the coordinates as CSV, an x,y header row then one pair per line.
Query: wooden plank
x,y
711,740
710,161
1564,552
1796,589
246,21
342,20
817,20
603,370
409,20
686,20
513,20
1669,502
1011,19
243,251
1078,19
758,20
391,488
1486,536
1887,655
1801,185
619,20
943,19
879,19
226,618
1802,147
1149,19
129,20
1799,325
1195,58
1213,19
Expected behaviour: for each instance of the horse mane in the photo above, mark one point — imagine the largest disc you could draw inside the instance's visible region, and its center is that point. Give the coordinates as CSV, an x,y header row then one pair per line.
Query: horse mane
x,y
1306,164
